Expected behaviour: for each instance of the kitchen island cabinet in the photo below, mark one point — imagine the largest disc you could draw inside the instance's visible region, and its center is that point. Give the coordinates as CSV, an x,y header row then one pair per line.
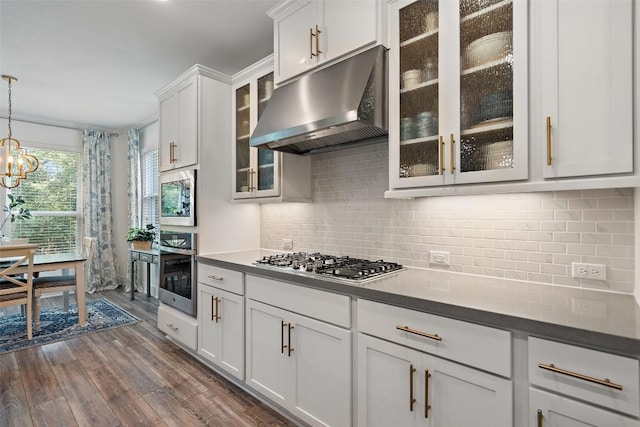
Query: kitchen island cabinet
x,y
308,33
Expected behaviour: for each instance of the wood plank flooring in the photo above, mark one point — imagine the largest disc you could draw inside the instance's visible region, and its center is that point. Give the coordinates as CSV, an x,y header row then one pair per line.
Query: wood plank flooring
x,y
128,376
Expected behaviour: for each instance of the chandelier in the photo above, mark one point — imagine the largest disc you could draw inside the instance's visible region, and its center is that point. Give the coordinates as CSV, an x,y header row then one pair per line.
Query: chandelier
x,y
15,162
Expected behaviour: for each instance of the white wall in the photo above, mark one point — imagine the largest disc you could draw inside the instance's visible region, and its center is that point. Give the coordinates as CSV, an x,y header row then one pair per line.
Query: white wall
x,y
532,236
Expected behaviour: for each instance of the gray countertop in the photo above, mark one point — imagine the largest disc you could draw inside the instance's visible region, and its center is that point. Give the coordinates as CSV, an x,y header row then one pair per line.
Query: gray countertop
x,y
597,319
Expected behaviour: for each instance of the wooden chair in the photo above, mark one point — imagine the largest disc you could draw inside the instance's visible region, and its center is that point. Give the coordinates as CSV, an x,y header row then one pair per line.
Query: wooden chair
x,y
17,288
62,283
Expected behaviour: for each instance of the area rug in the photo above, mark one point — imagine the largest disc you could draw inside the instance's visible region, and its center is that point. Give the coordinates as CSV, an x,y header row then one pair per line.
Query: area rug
x,y
58,325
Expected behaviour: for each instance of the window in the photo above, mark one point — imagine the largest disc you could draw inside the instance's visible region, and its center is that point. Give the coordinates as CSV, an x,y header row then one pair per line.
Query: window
x,y
52,195
150,188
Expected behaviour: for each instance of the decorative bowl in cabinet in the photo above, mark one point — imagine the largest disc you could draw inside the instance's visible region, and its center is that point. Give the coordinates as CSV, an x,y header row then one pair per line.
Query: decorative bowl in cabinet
x,y
490,48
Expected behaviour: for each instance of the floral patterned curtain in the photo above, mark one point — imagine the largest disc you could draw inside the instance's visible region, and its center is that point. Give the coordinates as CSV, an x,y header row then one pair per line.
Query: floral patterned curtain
x,y
96,205
135,204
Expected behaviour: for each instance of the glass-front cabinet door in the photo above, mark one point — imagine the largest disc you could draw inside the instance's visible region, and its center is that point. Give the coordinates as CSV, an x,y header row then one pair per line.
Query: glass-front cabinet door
x,y
458,92
256,170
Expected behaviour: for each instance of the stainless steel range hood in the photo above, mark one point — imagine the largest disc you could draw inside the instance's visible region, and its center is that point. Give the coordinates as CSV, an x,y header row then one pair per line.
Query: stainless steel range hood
x,y
329,108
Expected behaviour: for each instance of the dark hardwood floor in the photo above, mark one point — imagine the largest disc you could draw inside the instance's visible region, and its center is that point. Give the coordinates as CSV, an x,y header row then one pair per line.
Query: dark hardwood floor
x,y
128,376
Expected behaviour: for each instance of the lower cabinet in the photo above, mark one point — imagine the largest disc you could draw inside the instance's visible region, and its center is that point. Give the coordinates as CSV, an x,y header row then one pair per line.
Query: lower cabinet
x,y
178,325
551,410
302,364
221,332
404,387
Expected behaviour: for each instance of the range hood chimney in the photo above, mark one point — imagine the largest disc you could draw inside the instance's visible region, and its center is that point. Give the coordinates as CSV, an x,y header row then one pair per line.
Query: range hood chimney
x,y
329,108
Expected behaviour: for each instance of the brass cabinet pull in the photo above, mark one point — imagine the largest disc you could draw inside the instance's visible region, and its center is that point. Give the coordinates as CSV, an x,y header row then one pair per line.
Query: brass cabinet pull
x,y
427,375
290,349
212,277
172,152
311,36
606,382
540,417
282,346
173,328
412,400
441,159
218,317
251,186
549,156
422,334
452,151
318,51
213,315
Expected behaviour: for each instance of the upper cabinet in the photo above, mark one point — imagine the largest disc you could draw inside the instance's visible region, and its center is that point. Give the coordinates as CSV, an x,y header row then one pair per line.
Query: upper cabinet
x,y
312,32
179,125
261,174
458,92
585,53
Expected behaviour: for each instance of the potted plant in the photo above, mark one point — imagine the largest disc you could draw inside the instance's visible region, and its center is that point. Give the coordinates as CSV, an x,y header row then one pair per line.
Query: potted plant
x,y
15,212
142,238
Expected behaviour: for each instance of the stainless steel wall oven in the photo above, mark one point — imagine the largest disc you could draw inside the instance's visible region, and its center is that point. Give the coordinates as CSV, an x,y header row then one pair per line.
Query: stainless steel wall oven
x,y
178,281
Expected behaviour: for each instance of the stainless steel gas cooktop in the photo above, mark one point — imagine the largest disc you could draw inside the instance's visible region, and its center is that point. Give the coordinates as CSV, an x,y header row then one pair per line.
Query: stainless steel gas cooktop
x,y
354,270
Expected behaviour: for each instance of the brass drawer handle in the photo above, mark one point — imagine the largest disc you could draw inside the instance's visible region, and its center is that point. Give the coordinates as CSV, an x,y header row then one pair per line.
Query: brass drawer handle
x,y
606,382
290,349
427,375
540,417
453,154
412,400
422,334
549,147
441,158
173,328
282,346
218,317
311,36
318,51
216,278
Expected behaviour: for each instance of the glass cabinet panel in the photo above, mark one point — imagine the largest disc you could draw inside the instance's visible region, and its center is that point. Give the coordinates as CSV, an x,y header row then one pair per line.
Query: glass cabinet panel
x,y
243,152
486,85
419,89
266,165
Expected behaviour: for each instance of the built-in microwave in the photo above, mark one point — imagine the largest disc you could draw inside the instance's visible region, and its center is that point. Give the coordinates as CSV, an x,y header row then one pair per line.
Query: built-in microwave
x,y
178,198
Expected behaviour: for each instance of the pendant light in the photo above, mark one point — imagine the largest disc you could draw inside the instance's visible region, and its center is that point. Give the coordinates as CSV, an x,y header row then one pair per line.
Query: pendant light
x,y
15,162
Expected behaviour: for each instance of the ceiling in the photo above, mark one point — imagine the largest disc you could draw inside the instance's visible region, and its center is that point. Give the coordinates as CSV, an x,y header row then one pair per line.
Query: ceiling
x,y
98,63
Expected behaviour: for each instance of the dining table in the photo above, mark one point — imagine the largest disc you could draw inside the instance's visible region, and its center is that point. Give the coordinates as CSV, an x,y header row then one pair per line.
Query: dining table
x,y
60,261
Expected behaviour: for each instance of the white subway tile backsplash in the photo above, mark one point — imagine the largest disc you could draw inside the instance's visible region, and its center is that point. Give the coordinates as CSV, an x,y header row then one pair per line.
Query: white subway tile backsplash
x,y
534,236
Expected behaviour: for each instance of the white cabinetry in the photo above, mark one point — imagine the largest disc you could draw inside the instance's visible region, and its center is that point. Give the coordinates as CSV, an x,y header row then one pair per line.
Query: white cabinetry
x,y
221,318
458,92
311,32
178,326
301,363
179,125
594,377
586,116
261,174
398,385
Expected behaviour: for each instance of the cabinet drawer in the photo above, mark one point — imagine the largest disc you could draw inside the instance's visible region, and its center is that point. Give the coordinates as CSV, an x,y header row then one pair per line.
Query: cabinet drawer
x,y
479,346
149,258
179,326
589,375
222,278
326,306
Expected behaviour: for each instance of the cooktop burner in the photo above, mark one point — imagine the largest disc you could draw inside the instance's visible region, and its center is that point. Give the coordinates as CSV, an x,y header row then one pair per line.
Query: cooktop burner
x,y
342,267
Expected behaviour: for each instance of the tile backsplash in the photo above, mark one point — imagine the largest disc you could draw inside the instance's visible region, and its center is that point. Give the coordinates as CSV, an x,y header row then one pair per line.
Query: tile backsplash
x,y
525,236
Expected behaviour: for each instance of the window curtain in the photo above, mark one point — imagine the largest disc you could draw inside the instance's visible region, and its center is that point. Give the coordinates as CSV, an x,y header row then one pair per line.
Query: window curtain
x,y
96,205
134,185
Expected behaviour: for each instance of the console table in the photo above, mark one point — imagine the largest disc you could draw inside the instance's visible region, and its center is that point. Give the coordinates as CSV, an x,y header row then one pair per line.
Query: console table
x,y
149,257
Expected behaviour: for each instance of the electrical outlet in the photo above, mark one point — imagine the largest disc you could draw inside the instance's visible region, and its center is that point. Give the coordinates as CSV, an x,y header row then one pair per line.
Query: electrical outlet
x,y
287,244
439,258
589,271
